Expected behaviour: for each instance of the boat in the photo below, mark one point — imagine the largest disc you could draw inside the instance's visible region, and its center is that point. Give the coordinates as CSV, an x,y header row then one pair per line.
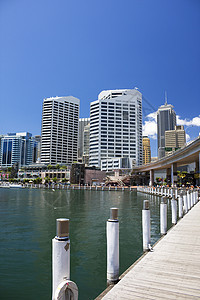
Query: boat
x,y
15,186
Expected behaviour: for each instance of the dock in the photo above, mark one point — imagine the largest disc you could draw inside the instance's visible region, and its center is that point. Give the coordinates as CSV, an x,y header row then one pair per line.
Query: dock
x,y
171,271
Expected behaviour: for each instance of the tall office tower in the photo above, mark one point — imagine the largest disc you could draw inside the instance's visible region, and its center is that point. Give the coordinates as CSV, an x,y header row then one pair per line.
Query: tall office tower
x,y
174,139
146,150
86,144
59,138
37,148
82,123
166,120
116,128
16,148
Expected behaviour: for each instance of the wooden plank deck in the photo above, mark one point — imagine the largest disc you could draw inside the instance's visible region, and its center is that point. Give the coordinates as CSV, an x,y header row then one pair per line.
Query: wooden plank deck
x,y
171,271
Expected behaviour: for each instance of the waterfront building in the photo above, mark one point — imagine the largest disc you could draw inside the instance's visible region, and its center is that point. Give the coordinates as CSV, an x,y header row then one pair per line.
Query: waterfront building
x,y
174,139
116,127
116,164
16,148
83,138
82,175
34,171
166,120
146,150
59,137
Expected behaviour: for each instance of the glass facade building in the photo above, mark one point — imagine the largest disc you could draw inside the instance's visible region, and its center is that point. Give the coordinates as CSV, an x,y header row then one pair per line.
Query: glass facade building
x,y
17,148
166,120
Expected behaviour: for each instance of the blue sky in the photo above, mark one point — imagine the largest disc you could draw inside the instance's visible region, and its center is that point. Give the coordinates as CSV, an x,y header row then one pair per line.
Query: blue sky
x,y
79,48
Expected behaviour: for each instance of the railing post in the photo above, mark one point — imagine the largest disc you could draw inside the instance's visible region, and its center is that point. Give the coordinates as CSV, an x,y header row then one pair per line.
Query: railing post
x,y
146,226
113,247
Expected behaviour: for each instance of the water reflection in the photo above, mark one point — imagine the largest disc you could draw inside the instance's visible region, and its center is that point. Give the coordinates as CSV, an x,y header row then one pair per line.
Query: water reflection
x,y
28,224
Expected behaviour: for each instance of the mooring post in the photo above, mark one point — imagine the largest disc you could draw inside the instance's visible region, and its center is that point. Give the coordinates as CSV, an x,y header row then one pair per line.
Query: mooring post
x,y
188,199
60,254
174,210
163,216
146,227
113,247
185,202
180,205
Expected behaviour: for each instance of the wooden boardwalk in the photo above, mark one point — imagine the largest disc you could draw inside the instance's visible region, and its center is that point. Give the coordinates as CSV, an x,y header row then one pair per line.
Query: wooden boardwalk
x,y
171,271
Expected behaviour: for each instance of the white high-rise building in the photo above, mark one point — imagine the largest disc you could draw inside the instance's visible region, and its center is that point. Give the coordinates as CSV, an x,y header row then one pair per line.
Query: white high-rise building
x,y
59,137
116,127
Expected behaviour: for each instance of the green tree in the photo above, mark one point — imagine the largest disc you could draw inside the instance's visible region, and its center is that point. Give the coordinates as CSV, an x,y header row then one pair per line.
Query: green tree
x,y
49,167
64,180
55,179
47,179
38,180
57,166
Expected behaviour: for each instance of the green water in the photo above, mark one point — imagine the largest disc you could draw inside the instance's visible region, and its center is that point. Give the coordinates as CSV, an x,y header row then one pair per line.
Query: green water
x,y
28,224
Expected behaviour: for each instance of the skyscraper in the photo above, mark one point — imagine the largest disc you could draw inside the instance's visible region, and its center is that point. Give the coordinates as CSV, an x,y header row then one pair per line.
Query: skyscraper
x,y
116,127
82,123
59,138
174,139
16,148
166,120
146,150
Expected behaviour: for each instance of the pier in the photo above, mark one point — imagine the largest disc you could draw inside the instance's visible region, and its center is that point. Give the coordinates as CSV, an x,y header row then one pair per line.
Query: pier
x,y
170,271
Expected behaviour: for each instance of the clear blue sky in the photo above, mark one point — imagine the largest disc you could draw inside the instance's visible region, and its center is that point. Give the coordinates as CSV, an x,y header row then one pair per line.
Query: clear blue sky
x,y
60,48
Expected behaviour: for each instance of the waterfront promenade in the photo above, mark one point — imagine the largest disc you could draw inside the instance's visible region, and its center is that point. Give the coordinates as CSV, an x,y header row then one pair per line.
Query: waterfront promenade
x,y
171,271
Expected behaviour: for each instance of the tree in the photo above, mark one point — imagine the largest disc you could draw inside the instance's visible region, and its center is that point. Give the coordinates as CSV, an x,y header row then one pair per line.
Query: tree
x,y
47,179
38,180
55,179
14,170
49,167
64,180
57,166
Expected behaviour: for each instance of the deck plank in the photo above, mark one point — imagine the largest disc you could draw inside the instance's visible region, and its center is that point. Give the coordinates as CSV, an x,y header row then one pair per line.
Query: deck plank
x,y
171,271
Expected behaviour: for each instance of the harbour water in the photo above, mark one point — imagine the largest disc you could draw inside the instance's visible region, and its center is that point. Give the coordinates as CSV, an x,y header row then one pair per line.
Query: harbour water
x,y
28,224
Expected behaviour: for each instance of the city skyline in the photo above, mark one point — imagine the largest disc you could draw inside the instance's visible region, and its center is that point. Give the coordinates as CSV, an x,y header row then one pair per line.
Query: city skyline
x,y
93,47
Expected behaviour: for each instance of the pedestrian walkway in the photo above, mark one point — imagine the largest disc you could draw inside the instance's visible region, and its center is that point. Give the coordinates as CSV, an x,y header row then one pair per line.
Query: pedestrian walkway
x,y
171,271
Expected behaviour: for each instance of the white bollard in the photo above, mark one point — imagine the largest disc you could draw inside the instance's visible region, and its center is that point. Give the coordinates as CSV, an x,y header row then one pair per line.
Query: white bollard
x,y
194,197
185,202
163,216
113,247
171,192
146,226
191,198
176,193
60,254
188,199
180,205
174,210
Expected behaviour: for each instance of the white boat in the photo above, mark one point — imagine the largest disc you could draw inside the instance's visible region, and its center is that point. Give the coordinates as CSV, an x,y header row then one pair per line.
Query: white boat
x,y
15,186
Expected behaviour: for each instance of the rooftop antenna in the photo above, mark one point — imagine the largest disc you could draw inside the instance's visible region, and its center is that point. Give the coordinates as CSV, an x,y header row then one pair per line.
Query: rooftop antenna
x,y
165,98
